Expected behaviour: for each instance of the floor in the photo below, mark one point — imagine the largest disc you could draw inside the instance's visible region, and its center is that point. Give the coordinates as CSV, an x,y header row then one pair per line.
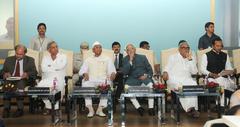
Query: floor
x,y
132,120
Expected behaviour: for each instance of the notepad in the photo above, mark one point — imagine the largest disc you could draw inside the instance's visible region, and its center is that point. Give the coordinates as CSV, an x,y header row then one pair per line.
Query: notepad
x,y
13,78
226,72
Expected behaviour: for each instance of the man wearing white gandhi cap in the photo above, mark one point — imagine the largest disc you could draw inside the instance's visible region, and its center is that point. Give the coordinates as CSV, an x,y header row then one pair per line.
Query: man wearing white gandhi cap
x,y
96,70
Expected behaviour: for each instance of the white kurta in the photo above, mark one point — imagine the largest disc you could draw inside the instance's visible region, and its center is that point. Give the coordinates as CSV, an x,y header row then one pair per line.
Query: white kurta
x,y
180,70
99,69
226,83
39,44
53,69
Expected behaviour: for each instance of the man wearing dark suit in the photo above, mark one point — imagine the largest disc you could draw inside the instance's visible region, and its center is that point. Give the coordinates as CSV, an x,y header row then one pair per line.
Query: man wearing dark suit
x,y
139,73
116,47
21,66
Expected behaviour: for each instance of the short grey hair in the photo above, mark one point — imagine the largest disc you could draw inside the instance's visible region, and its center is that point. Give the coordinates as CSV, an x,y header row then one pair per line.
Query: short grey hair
x,y
50,43
84,44
129,44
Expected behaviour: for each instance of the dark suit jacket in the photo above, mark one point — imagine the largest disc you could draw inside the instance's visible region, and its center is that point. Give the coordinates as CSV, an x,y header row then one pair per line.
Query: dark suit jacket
x,y
119,76
139,67
28,66
120,60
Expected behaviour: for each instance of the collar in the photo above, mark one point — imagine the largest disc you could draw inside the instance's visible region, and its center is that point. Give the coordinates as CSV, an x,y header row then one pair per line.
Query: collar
x,y
41,37
116,54
216,52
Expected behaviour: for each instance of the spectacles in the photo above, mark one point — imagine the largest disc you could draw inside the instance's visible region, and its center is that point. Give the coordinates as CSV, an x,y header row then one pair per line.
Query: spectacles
x,y
85,48
185,48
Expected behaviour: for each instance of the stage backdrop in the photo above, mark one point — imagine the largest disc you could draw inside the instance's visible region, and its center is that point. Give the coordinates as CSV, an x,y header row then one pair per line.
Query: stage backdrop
x,y
161,22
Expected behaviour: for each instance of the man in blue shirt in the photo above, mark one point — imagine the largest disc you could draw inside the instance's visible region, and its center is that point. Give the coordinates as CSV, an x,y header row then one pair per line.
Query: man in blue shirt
x,y
206,40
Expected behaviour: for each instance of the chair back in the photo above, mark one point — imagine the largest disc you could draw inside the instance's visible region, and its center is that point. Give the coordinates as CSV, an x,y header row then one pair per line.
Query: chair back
x,y
165,54
149,54
236,59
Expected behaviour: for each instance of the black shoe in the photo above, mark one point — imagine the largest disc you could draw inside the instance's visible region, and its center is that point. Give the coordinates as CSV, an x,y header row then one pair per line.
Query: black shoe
x,y
46,112
151,112
18,113
140,111
6,113
57,112
116,101
193,113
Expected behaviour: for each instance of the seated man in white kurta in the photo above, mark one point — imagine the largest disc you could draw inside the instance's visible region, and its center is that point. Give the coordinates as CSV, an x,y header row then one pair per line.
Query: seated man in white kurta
x,y
213,63
95,70
178,73
53,68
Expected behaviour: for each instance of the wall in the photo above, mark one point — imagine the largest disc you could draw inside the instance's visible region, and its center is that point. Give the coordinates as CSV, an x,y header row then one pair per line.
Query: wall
x,y
161,22
6,12
226,24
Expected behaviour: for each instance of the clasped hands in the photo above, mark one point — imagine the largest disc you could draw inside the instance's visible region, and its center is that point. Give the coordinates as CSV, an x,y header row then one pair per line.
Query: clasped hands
x,y
86,76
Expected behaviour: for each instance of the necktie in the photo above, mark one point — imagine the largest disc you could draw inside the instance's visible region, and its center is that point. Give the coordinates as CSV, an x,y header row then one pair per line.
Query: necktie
x,y
17,69
116,62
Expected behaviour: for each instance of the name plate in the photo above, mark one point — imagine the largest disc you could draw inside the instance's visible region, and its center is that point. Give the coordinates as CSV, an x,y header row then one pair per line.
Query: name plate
x,y
139,89
193,89
38,90
78,89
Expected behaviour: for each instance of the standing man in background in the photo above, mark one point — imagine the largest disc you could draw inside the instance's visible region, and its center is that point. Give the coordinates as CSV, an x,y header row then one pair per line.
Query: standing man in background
x,y
206,40
40,42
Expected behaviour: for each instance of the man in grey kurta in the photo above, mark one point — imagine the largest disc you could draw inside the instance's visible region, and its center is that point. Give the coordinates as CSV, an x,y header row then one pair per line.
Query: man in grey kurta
x,y
78,61
139,73
40,42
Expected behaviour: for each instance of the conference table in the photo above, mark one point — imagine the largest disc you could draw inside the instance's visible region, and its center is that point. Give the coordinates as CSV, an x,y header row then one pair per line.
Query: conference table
x,y
206,93
159,96
72,103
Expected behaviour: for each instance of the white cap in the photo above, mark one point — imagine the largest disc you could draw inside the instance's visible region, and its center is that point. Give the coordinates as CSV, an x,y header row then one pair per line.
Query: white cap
x,y
96,43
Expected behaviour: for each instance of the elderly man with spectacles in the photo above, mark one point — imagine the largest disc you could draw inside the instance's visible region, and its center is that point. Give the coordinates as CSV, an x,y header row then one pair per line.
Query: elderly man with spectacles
x,y
178,72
